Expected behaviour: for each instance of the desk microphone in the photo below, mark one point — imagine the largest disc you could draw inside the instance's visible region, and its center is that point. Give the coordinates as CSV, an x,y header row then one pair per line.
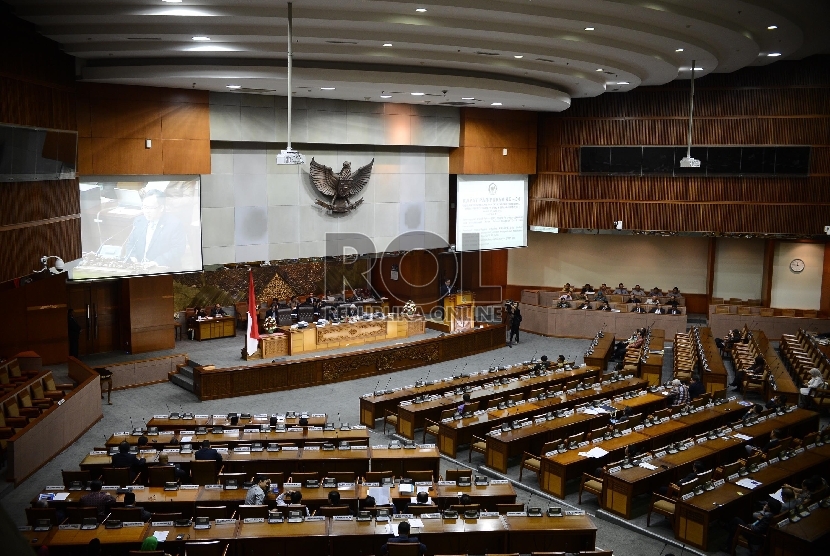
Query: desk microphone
x,y
376,387
388,382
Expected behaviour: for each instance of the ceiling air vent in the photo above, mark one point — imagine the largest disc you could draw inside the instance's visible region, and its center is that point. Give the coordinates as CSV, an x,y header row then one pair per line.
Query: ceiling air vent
x,y
457,103
143,38
482,53
342,42
546,60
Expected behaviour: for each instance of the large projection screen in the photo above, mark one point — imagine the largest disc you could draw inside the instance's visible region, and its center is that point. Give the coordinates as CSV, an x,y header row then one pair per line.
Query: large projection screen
x,y
491,212
133,226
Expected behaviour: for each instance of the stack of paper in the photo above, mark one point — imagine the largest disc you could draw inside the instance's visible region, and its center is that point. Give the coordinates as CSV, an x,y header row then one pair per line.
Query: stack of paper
x,y
748,483
595,452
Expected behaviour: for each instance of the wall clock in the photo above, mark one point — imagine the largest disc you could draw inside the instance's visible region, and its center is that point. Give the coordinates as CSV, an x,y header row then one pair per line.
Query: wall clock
x,y
796,265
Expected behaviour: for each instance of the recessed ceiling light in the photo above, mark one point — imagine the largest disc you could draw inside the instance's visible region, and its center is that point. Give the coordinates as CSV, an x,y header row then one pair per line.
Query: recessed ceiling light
x,y
774,54
623,83
201,38
495,104
417,94
326,88
387,44
599,69
172,1
589,28
518,56
232,86
772,27
468,98
421,10
678,50
385,96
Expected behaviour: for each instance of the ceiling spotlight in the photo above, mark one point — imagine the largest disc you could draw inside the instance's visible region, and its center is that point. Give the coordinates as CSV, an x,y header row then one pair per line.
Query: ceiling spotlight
x,y
387,44
421,10
326,88
599,69
200,38
623,83
495,104
774,54
385,96
678,50
518,56
417,94
589,28
233,86
468,98
772,27
172,1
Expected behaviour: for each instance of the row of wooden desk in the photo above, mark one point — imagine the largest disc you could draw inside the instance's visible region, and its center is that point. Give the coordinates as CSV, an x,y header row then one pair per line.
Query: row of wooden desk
x,y
558,469
716,377
783,381
411,414
602,352
346,537
186,498
504,445
453,433
620,488
166,423
358,460
373,407
694,516
652,368
298,436
807,537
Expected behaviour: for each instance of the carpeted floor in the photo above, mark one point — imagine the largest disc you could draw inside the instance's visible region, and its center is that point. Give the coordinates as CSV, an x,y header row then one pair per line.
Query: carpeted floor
x,y
135,406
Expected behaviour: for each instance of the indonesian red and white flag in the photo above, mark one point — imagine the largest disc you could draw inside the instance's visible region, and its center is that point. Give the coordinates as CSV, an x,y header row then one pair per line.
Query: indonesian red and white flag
x,y
252,337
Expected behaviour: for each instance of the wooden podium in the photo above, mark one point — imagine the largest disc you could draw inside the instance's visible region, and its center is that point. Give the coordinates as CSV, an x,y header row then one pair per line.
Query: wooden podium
x,y
459,311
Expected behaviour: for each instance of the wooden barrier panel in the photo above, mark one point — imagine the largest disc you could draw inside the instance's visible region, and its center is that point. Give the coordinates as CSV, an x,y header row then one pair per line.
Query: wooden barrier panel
x,y
58,427
145,371
772,326
213,384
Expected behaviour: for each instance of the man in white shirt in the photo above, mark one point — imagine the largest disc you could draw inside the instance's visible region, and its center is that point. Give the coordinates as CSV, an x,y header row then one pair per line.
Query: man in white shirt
x,y
256,494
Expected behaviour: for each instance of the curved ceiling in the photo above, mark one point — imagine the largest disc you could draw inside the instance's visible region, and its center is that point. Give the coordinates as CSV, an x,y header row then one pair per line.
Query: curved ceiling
x,y
523,54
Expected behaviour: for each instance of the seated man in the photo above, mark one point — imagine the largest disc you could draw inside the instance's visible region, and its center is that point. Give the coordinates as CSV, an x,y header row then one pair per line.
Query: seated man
x,y
638,291
465,400
293,498
125,459
164,461
273,309
696,387
680,393
638,309
774,440
657,310
206,452
755,371
101,501
567,287
673,308
369,502
604,289
633,299
753,413
585,305
334,501
697,469
256,494
656,291
563,304
761,523
674,292
129,502
586,288
218,311
422,498
621,290
653,300
403,537
605,306
776,402
600,296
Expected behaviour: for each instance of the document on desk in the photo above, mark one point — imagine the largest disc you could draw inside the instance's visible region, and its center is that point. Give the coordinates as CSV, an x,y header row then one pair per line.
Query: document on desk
x,y
406,489
61,496
380,494
161,535
742,436
595,452
748,483
594,411
415,522
646,465
186,439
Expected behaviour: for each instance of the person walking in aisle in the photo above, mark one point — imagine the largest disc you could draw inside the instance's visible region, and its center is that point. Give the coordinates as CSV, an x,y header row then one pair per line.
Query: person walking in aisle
x,y
514,326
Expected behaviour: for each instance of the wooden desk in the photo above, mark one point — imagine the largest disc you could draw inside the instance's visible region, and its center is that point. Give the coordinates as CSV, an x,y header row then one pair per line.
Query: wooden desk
x,y
807,537
694,516
332,336
533,534
372,407
308,537
652,368
210,328
454,433
412,415
717,376
108,537
424,457
783,381
167,424
602,352
238,436
445,496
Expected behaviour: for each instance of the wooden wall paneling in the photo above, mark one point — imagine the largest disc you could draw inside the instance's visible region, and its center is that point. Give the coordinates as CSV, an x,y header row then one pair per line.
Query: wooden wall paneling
x,y
185,156
37,317
710,269
185,120
147,313
24,246
125,156
766,280
485,132
485,274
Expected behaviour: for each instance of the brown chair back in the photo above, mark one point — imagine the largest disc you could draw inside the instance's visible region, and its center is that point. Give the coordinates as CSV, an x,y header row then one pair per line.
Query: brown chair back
x,y
341,476
212,512
203,472
376,476
34,514
157,475
454,474
116,476
204,548
77,514
504,508
403,549
251,510
125,514
330,511
304,476
422,509
165,516
419,476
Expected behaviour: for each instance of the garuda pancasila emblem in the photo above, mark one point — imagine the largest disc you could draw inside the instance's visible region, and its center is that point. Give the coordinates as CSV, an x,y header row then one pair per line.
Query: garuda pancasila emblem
x,y
339,186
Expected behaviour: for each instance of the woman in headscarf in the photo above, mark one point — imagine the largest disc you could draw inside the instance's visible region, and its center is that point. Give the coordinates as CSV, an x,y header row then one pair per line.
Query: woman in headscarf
x,y
816,381
151,544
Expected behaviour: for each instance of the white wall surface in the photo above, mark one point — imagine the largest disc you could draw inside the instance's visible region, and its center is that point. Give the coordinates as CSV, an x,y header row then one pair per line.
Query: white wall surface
x,y
802,290
253,209
739,268
553,259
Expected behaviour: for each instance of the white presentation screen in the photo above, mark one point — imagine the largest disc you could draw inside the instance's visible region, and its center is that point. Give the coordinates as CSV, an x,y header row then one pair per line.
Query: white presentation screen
x,y
491,212
134,226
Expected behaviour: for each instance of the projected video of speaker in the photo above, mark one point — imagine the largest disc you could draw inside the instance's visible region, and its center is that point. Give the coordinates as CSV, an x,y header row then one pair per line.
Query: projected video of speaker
x,y
137,227
491,212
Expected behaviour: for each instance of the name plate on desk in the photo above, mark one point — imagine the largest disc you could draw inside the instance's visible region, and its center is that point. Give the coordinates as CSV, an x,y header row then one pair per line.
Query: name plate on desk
x,y
137,487
447,483
345,486
718,483
371,484
516,514
762,465
187,432
358,427
426,483
737,426
292,485
773,461
122,433
191,487
295,429
213,487
202,416
160,416
219,417
70,527
311,448
315,428
133,524
615,469
254,520
54,487
783,522
687,496
574,512
798,451
171,450
225,522
231,431
660,454
222,450
639,427
342,518
161,523
251,430
488,514
290,449
499,481
733,477
110,487
98,453
701,440
316,518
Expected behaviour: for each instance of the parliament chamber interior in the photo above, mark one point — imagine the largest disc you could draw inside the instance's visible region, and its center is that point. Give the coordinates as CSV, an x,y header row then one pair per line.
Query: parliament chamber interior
x,y
395,277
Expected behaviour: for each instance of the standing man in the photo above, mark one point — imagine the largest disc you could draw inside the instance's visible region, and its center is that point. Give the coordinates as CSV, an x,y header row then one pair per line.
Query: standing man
x,y
508,317
446,290
514,326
